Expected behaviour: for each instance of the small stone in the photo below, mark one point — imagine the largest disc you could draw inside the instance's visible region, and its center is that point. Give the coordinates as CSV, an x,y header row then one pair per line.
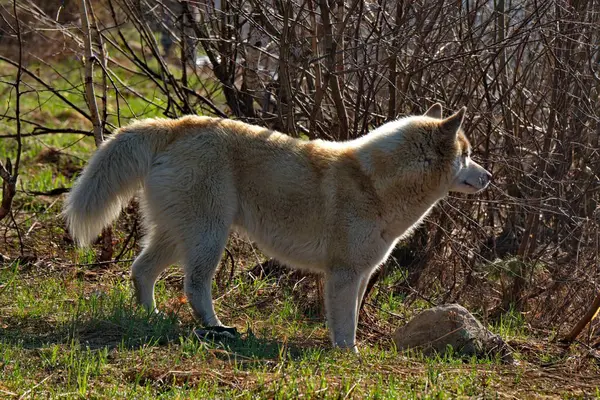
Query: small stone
x,y
436,329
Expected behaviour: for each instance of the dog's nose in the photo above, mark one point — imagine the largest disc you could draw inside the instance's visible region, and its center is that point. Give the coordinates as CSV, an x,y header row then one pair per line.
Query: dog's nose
x,y
485,179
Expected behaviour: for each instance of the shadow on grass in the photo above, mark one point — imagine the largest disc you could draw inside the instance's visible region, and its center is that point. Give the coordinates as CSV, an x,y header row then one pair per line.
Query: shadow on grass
x,y
31,332
247,347
120,328
127,327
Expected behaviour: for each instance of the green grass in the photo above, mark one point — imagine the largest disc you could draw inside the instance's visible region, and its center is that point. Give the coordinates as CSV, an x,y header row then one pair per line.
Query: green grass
x,y
102,334
68,333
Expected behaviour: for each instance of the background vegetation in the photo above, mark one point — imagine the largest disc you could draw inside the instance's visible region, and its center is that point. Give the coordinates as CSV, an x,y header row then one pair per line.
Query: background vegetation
x,y
523,255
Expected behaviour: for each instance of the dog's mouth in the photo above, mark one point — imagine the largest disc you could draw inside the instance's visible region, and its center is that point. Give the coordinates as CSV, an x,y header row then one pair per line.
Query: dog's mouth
x,y
466,187
471,186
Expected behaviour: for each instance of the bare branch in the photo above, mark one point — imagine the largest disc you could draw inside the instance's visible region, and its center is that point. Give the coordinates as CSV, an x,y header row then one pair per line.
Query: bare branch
x,y
88,64
9,173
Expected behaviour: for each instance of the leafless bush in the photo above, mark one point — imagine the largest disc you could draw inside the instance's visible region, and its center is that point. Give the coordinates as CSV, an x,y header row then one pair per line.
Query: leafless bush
x,y
528,71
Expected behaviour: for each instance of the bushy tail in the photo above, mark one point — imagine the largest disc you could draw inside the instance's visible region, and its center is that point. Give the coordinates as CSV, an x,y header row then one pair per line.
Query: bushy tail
x,y
109,181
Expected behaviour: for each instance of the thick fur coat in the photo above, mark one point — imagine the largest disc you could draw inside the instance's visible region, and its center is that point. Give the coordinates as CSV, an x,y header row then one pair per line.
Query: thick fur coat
x,y
337,208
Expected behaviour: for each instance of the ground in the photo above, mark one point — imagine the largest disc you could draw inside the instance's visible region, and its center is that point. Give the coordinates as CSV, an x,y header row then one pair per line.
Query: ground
x,y
73,330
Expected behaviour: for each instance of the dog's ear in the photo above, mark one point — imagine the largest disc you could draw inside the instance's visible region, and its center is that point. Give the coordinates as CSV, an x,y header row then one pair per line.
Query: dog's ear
x,y
451,124
435,111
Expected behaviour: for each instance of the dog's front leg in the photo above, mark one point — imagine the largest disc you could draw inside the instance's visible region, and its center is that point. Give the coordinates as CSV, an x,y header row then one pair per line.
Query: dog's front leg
x,y
341,296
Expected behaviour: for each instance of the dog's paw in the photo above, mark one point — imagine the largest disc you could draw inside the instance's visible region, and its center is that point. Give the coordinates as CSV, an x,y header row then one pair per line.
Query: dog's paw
x,y
216,333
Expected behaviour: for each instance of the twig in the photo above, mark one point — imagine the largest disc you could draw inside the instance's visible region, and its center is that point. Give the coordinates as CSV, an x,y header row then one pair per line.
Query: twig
x,y
53,192
18,90
8,173
99,263
591,313
46,131
131,233
89,74
232,265
9,183
103,66
332,64
8,393
379,308
21,246
31,389
226,293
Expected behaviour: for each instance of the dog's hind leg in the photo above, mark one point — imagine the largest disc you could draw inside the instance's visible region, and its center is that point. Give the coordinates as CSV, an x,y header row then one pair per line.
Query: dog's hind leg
x,y
201,262
194,196
157,255
341,298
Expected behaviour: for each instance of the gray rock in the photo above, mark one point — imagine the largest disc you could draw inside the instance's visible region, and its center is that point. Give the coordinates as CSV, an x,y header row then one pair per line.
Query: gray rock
x,y
435,329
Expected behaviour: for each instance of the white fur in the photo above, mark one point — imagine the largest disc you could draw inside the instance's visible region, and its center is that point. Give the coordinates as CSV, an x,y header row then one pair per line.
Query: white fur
x,y
334,208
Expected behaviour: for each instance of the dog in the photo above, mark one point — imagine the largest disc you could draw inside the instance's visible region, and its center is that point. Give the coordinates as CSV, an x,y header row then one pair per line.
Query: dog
x,y
337,208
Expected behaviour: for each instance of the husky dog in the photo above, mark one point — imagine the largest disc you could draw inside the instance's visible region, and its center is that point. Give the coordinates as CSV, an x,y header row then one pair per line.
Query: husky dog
x,y
337,208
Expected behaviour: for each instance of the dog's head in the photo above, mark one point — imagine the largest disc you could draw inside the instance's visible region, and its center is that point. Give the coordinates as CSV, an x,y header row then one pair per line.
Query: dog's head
x,y
426,150
468,176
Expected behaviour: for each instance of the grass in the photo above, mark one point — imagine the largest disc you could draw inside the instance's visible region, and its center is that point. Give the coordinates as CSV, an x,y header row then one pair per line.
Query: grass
x,y
74,331
64,334
69,327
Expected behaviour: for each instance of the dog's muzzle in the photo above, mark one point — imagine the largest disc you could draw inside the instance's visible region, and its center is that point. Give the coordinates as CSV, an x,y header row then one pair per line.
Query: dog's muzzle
x,y
485,179
472,179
